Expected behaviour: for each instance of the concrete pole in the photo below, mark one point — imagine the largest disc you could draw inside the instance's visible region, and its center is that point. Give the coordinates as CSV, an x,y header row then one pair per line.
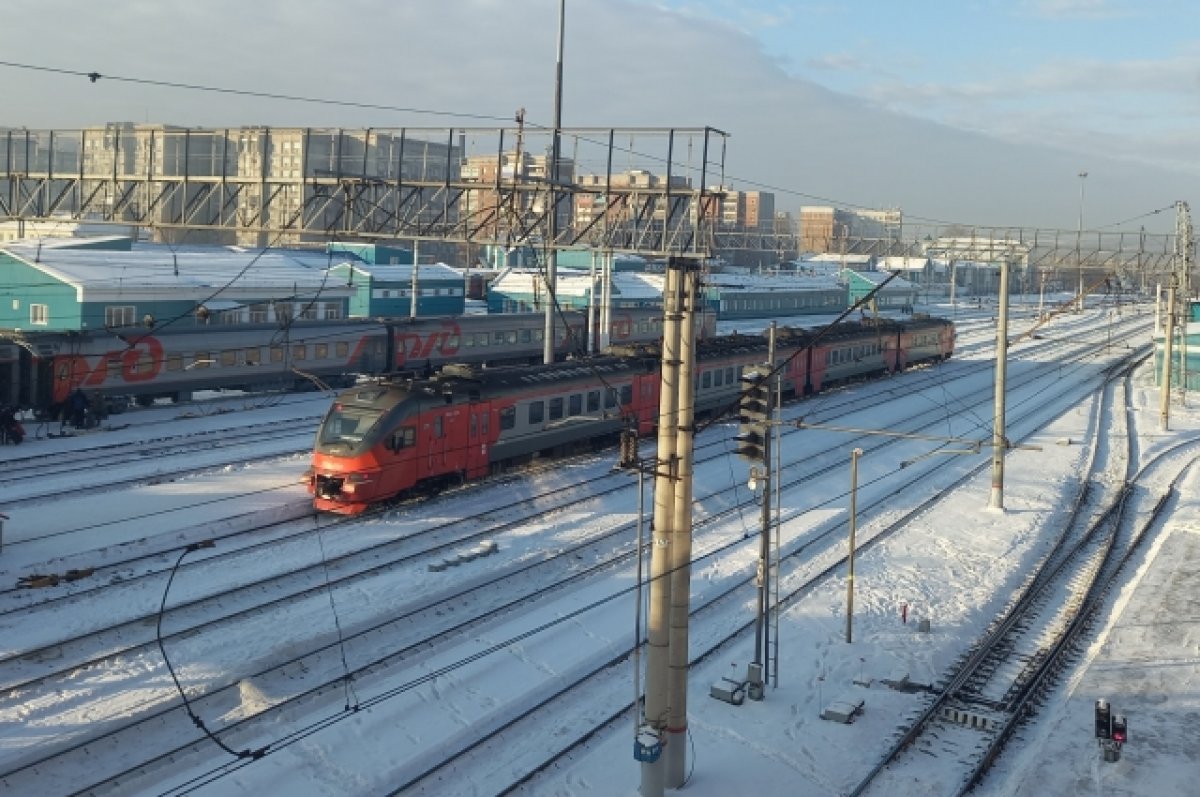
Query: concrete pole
x,y
999,442
1164,397
762,638
658,631
854,455
606,301
592,337
552,197
1079,241
416,287
681,542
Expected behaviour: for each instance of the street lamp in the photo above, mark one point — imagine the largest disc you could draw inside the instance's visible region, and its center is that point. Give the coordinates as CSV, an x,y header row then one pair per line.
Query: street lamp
x,y
1079,239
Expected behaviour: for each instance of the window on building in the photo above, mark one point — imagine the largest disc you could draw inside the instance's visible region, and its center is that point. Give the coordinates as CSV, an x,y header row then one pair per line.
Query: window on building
x,y
120,316
333,311
39,314
258,314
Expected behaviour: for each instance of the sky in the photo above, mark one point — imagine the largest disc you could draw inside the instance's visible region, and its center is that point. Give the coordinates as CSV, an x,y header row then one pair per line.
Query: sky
x,y
956,566
982,112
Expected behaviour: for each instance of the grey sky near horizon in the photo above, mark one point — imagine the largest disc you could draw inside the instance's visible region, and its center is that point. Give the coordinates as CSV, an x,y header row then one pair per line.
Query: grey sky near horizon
x,y
946,152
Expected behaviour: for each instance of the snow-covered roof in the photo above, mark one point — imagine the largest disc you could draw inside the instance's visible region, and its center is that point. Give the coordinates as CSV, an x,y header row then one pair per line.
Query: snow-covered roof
x,y
837,257
877,277
626,284
402,272
158,273
763,282
902,263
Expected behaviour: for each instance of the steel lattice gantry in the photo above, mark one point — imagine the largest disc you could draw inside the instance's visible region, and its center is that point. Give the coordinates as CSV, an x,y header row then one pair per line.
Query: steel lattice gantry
x,y
644,190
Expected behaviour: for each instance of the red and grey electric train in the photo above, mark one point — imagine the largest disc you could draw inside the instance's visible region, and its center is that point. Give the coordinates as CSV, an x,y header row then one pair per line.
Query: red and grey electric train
x,y
401,436
39,370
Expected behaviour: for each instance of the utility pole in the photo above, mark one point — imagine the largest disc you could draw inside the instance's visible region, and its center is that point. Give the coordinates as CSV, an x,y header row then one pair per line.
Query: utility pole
x,y
762,629
415,287
552,197
1164,396
681,543
1079,240
657,705
999,442
854,455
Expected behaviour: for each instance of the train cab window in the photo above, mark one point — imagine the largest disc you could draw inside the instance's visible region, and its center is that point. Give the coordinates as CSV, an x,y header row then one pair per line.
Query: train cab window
x,y
537,411
228,357
404,437
593,401
201,359
575,404
626,394
342,349
610,398
556,408
300,352
348,424
322,351
174,362
508,417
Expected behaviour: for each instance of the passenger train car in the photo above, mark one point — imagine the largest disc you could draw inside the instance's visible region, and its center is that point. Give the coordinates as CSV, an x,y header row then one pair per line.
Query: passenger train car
x,y
402,436
39,371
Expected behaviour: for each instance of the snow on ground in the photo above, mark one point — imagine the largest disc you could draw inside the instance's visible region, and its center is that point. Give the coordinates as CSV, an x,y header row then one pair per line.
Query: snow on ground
x,y
955,567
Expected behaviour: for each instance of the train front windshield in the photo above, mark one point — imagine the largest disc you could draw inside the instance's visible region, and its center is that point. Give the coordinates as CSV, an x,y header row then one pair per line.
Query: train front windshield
x,y
348,425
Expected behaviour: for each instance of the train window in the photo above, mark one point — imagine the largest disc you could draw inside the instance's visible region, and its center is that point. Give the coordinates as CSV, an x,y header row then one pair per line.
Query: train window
x,y
706,380
228,357
610,398
556,408
730,377
144,364
438,430
526,335
404,437
539,335
593,401
485,425
498,337
718,377
252,357
575,404
174,362
474,430
468,341
114,368
343,349
299,352
348,424
276,354
322,351
201,359
626,394
511,336
537,411
451,341
508,417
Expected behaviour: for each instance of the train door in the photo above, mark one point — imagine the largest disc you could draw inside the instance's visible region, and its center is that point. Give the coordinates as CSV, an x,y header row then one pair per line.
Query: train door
x,y
479,434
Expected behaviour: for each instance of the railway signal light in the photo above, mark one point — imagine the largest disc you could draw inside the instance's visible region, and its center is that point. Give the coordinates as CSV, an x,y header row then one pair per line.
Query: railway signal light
x,y
754,415
1119,733
1103,720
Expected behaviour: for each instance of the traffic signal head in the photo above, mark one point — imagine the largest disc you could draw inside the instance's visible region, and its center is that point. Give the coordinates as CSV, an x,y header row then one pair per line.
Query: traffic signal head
x,y
1119,732
1103,720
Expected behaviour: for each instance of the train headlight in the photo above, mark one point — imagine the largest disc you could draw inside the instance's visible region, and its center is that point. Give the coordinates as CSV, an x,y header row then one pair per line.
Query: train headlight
x,y
355,480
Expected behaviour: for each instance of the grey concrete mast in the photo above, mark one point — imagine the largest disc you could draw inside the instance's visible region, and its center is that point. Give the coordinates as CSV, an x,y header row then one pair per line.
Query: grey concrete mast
x,y
552,197
657,708
999,441
681,539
